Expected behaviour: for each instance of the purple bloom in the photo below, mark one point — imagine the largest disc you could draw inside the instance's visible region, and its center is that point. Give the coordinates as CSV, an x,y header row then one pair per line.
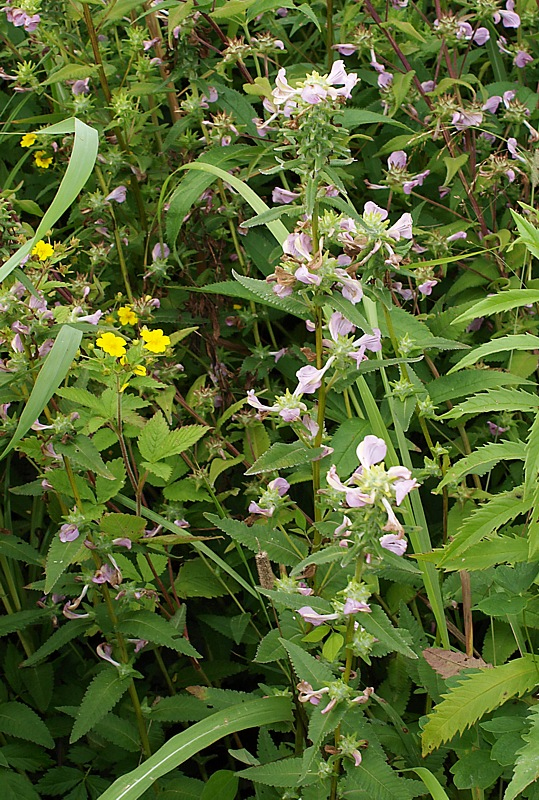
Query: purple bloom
x,y
340,326
509,18
371,451
402,229
303,275
512,146
313,93
351,289
123,542
394,543
416,181
68,532
397,160
481,36
427,286
475,324
182,523
280,484
310,378
345,49
298,245
522,58
354,606
308,614
118,195
160,251
283,196
371,209
428,86
385,79
455,236
372,342
495,430
466,119
81,86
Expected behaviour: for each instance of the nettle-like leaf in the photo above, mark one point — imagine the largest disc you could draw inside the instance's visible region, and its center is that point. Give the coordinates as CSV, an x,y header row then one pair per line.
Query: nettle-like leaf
x,y
378,624
491,551
516,341
493,400
21,620
283,456
18,720
264,294
281,547
307,667
13,547
475,696
120,732
66,633
157,442
497,511
466,384
146,625
16,787
59,557
282,774
104,691
483,460
527,763
180,708
374,779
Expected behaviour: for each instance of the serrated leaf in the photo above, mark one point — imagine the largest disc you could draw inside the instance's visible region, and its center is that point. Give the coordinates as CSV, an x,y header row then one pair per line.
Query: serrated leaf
x,y
146,625
531,465
280,547
59,780
374,779
270,648
493,400
306,667
449,662
475,696
104,691
13,547
39,681
483,460
16,719
283,456
517,341
122,525
527,763
264,294
59,557
163,471
282,774
16,787
450,387
69,630
378,624
83,452
491,551
20,620
120,732
503,301
180,708
496,512
156,442
105,489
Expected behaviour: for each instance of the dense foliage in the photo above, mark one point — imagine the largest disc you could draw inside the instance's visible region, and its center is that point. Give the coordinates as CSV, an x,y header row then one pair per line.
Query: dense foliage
x,y
269,423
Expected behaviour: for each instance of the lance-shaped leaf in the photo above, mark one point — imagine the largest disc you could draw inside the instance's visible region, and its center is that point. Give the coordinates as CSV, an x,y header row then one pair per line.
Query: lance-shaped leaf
x,y
527,763
503,301
517,341
101,696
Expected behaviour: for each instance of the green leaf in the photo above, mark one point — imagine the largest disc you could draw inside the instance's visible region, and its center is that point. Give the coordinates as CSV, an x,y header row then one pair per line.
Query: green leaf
x,y
104,691
276,227
452,166
20,620
306,667
59,557
304,8
281,547
157,442
465,384
71,72
493,400
283,456
283,774
39,682
18,720
517,341
374,779
180,708
122,525
13,547
332,647
529,235
475,769
475,696
491,551
55,368
431,782
270,215
147,625
503,301
16,787
483,460
253,713
527,763
531,466
105,489
82,451
270,648
79,168
496,512
378,624
222,784
120,732
263,293
68,631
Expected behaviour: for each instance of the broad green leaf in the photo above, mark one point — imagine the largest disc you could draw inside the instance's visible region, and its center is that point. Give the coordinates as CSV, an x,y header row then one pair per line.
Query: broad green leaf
x,y
306,666
18,720
55,368
157,442
16,787
231,9
222,784
39,682
122,525
527,763
378,624
332,647
452,166
71,72
465,384
263,293
270,648
491,551
374,779
270,215
282,774
20,620
59,557
253,713
283,456
306,9
503,301
147,625
79,168
276,227
83,452
529,235
320,726
280,547
496,512
66,633
483,460
494,400
104,691
120,732
13,547
517,341
475,696
531,465
180,708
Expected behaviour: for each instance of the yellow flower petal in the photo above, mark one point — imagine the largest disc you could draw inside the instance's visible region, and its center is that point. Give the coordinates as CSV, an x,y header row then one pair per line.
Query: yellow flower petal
x,y
42,250
127,316
28,140
111,344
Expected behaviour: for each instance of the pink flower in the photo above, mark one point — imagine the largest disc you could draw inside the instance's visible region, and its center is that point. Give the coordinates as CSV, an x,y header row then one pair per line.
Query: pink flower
x,y
81,86
393,524
311,616
298,245
522,58
466,119
308,695
509,18
160,251
495,430
427,286
394,543
310,378
402,229
492,104
68,532
354,607
345,49
481,36
350,288
371,451
283,196
340,326
280,484
397,160
303,275
118,195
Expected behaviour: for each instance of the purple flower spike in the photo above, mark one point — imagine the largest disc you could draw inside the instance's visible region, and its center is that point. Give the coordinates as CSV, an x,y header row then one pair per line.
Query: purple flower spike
x,y
118,195
371,451
522,58
426,287
160,251
481,36
394,543
397,160
354,607
509,18
81,86
283,196
68,532
495,430
280,484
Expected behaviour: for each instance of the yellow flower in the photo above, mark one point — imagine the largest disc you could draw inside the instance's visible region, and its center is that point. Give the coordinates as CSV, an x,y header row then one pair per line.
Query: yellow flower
x,y
28,140
40,161
127,316
139,370
112,345
155,341
43,250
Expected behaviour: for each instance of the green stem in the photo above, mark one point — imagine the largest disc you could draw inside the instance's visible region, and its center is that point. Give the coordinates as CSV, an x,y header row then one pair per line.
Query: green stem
x,y
329,33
